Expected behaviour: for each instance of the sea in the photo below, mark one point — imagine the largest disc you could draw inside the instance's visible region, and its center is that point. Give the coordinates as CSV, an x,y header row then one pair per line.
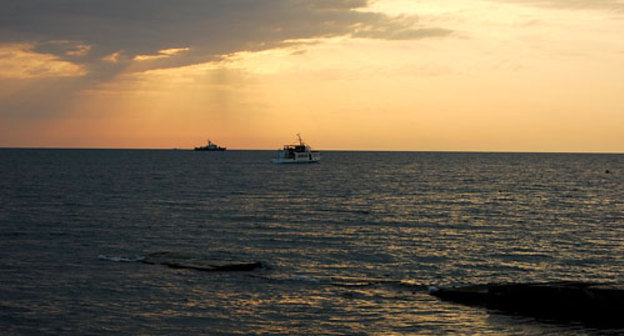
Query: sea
x,y
347,246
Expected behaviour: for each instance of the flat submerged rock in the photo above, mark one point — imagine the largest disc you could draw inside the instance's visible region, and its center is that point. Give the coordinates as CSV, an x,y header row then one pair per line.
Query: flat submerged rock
x,y
595,304
198,263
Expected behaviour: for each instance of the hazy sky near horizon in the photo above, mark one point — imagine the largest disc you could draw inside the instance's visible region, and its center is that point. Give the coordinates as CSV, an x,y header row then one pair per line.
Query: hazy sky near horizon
x,y
479,75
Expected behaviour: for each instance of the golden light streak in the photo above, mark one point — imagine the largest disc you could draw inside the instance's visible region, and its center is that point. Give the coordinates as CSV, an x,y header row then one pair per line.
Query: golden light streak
x,y
20,62
79,50
161,54
173,51
113,58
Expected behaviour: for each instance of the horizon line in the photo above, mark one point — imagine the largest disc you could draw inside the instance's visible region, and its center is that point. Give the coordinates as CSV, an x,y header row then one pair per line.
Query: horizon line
x,y
325,150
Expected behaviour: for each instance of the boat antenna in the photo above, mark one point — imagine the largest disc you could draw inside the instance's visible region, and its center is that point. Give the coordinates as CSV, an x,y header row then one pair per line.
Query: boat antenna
x,y
300,140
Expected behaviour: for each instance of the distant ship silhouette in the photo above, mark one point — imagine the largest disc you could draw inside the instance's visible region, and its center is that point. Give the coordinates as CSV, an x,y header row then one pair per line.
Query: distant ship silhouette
x,y
210,147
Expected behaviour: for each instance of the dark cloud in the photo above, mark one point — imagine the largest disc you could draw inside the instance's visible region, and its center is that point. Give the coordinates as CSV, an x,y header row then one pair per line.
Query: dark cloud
x,y
86,31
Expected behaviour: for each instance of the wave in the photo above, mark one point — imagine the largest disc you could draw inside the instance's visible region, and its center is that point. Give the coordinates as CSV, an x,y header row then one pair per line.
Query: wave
x,y
119,259
342,210
340,281
210,264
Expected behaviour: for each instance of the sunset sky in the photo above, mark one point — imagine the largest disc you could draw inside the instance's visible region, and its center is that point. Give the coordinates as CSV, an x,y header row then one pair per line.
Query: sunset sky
x,y
430,75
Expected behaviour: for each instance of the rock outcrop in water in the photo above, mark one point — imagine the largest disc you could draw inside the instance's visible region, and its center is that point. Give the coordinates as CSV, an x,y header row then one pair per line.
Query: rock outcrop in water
x,y
596,304
175,260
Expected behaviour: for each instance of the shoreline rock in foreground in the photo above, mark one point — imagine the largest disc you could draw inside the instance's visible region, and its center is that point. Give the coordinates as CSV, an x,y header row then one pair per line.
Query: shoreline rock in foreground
x,y
594,304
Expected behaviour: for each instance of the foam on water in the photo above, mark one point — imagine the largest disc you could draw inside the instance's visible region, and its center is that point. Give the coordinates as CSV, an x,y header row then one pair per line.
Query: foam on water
x,y
119,259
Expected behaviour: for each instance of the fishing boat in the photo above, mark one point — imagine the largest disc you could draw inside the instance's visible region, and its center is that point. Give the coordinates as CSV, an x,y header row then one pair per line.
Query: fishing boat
x,y
300,153
210,147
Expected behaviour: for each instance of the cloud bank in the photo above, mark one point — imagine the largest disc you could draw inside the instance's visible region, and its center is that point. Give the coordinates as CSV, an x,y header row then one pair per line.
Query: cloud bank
x,y
105,36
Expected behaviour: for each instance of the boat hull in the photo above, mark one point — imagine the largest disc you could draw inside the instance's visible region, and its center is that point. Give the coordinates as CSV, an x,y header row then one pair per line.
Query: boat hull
x,y
294,154
292,161
203,149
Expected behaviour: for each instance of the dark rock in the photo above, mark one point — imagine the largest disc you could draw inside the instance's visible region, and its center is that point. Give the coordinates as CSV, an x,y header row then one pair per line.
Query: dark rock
x,y
198,263
595,304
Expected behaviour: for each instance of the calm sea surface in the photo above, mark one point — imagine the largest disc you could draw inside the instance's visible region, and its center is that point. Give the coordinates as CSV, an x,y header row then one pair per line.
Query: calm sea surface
x,y
348,246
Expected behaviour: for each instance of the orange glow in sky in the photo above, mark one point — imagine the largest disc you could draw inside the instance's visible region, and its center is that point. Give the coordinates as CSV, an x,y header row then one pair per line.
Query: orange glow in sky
x,y
496,75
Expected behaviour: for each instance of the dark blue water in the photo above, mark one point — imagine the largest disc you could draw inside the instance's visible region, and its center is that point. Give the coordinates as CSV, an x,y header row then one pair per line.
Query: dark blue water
x,y
348,245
